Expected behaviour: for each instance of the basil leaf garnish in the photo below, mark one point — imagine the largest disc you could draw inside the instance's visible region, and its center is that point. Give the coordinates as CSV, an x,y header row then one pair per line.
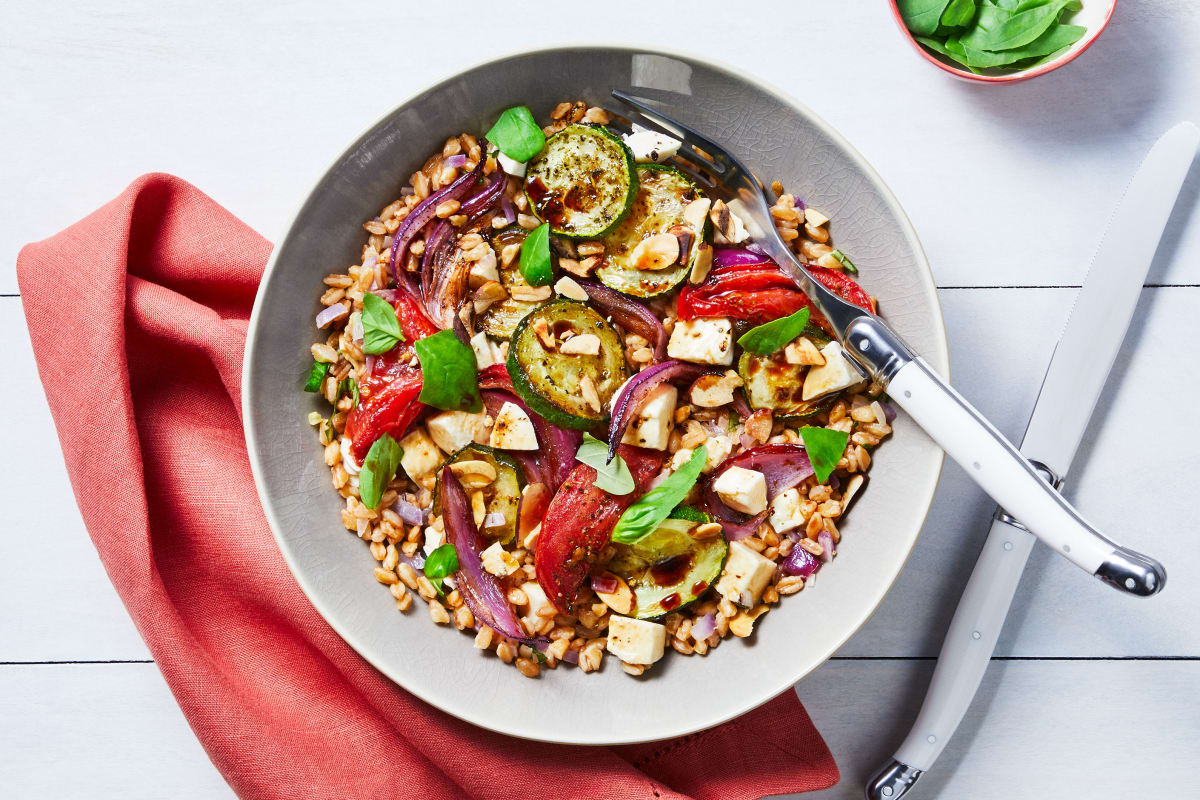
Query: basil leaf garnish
x,y
378,469
381,329
442,563
453,373
770,336
517,134
825,448
647,514
613,477
535,256
316,376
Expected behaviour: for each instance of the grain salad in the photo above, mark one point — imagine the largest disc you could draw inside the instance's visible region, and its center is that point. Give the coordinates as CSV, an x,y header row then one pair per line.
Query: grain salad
x,y
571,409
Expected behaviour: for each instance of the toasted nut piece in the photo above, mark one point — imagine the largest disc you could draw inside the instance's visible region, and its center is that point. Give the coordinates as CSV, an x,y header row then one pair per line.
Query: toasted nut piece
x,y
487,295
588,389
713,391
474,473
803,352
532,294
758,425
814,217
702,264
509,254
656,252
478,507
742,624
542,329
695,212
621,600
567,287
706,530
727,223
590,248
853,486
585,344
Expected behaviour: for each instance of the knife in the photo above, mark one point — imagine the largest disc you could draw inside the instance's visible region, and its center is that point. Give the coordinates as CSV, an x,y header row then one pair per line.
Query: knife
x,y
1077,373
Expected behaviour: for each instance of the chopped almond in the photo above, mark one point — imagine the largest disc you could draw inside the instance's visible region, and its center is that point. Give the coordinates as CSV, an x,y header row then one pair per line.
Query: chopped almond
x,y
585,344
804,353
656,252
588,389
531,294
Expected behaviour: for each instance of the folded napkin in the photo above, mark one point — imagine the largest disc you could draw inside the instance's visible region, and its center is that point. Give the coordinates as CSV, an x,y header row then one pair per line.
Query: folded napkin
x,y
138,317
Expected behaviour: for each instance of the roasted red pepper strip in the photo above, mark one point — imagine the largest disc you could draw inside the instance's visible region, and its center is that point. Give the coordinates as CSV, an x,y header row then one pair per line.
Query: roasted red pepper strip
x,y
760,293
579,523
388,398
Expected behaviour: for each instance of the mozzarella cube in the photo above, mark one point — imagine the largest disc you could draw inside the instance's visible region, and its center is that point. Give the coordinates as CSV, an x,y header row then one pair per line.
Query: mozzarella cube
x,y
484,354
537,601
454,430
498,561
704,341
510,166
513,430
651,425
719,448
636,641
650,145
746,575
786,513
742,490
836,374
421,456
435,537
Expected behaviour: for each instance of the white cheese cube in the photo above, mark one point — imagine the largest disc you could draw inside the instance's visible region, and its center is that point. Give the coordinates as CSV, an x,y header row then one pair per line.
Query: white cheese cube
x,y
719,448
651,425
836,374
454,430
746,575
484,354
513,429
537,601
510,166
742,489
704,341
650,145
785,511
636,641
435,537
421,456
498,561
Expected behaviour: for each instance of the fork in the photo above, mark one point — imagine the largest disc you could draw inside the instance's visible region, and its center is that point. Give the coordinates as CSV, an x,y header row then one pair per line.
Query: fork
x,y
881,355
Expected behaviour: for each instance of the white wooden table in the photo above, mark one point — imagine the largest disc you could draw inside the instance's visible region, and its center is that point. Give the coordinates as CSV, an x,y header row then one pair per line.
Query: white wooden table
x,y
1008,187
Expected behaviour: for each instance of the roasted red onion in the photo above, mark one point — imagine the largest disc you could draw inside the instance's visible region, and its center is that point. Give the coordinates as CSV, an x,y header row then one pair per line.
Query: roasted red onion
x,y
485,198
445,277
737,257
456,160
800,562
424,213
506,208
331,313
704,627
630,315
638,389
479,588
604,584
783,466
410,513
825,539
556,458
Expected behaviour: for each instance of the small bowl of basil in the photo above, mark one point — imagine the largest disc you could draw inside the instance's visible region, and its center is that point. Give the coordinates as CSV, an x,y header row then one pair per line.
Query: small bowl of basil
x,y
1001,41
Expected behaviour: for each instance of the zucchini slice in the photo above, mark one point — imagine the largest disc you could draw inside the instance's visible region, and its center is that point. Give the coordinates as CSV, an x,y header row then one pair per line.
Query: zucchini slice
x,y
502,495
501,319
549,381
771,382
663,193
582,182
669,569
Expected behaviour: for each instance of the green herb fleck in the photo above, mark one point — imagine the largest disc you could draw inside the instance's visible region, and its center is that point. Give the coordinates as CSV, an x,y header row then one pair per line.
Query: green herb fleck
x,y
349,386
316,376
539,656
735,419
442,563
647,514
770,336
517,134
378,469
845,261
456,387
535,257
381,329
824,447
611,476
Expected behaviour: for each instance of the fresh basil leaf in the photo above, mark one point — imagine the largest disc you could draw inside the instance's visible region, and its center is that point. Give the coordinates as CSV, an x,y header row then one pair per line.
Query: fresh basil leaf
x,y
825,448
316,376
611,476
770,336
845,261
442,563
535,257
1052,41
958,13
1001,29
452,364
922,16
647,513
378,469
381,329
517,134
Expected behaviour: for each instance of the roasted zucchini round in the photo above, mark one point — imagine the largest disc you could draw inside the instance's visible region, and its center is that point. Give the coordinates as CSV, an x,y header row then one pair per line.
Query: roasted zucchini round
x,y
668,569
771,382
503,495
500,320
582,182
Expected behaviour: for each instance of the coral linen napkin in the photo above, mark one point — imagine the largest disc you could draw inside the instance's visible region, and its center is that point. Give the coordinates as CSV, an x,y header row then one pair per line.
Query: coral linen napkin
x,y
142,370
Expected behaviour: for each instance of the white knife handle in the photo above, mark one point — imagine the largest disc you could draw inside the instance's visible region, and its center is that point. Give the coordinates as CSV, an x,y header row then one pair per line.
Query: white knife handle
x,y
1012,481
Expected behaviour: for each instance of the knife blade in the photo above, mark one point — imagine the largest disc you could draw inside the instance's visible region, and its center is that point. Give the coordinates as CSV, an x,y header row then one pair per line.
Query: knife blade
x,y
1070,390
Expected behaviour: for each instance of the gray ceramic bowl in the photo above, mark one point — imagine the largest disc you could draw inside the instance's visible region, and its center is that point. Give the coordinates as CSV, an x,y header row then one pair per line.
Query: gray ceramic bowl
x,y
780,140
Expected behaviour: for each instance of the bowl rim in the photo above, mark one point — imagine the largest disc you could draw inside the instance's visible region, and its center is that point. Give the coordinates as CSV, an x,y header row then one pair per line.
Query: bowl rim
x,y
940,354
1016,77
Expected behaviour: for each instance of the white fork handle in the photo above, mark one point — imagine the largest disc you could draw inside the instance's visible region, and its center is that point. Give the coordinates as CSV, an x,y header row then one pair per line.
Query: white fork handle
x,y
1002,472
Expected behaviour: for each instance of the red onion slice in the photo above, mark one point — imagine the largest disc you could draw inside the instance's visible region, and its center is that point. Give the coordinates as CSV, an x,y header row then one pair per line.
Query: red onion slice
x,y
704,627
424,213
825,539
737,257
331,313
604,584
456,160
800,562
630,315
558,445
783,465
506,208
410,513
485,198
634,395
479,588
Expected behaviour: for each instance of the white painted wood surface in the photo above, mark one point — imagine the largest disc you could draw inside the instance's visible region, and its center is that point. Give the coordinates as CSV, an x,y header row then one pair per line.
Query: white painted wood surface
x,y
1008,187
